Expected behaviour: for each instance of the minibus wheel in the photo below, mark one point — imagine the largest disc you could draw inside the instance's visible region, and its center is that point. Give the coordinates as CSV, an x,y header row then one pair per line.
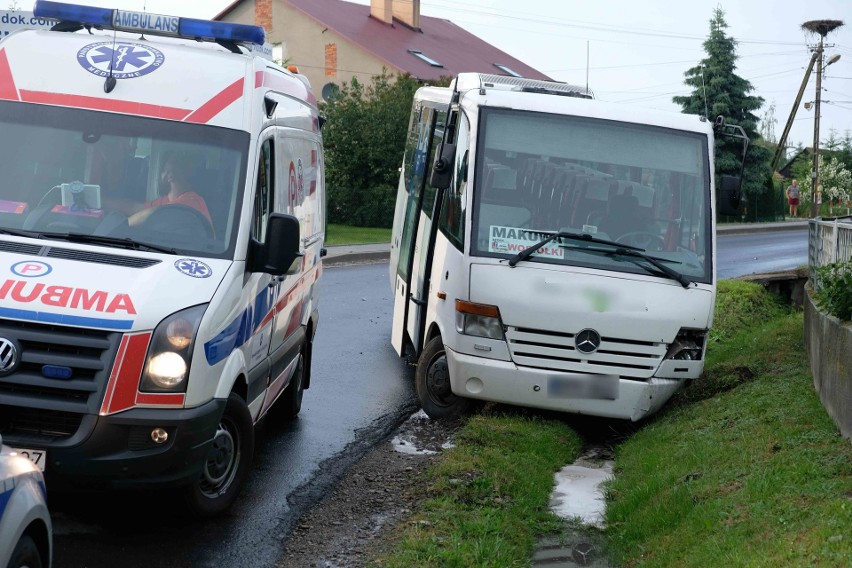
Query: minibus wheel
x,y
432,380
227,463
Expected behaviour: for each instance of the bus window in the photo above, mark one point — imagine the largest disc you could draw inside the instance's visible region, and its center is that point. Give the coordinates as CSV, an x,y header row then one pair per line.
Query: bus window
x,y
451,220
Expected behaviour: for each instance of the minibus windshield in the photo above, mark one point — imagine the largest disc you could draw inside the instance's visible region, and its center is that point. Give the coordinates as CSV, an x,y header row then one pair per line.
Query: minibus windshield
x,y
640,186
120,181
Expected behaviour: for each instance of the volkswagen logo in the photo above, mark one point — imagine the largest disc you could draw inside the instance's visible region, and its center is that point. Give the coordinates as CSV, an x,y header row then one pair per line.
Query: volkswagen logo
x,y
587,341
8,356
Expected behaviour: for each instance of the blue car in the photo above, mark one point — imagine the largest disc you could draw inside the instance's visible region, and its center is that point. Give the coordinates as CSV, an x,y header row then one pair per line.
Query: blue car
x,y
26,534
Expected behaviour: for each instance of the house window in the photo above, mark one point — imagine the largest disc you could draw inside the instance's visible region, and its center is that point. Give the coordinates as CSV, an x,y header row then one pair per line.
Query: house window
x,y
420,55
507,70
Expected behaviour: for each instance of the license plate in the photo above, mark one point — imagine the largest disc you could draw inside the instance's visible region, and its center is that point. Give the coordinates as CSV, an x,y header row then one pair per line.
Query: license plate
x,y
600,387
38,457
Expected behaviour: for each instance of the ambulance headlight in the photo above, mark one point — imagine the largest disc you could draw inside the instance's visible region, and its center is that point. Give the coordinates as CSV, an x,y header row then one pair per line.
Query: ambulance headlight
x,y
479,320
170,352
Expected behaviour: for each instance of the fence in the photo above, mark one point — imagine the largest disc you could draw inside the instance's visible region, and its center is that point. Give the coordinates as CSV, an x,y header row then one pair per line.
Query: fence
x,y
828,241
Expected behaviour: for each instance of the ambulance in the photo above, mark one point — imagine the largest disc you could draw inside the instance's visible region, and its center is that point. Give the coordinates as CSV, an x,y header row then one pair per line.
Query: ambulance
x,y
161,241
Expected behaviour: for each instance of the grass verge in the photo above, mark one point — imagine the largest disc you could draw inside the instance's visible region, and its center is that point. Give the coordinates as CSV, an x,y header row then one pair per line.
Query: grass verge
x,y
346,235
744,468
486,501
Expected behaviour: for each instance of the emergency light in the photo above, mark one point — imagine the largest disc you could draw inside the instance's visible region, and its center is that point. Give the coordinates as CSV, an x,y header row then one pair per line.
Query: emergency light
x,y
147,23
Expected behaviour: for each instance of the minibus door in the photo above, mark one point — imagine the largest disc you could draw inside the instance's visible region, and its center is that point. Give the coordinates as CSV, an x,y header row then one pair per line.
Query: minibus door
x,y
414,237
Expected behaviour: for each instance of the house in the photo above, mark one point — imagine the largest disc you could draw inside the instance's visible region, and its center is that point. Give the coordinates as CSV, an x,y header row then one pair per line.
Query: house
x,y
332,41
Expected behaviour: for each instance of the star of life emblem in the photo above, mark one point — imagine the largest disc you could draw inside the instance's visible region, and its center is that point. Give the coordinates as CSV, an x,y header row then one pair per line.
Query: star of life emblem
x,y
123,60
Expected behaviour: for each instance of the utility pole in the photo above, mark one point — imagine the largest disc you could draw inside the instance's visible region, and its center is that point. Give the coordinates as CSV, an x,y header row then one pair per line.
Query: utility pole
x,y
823,28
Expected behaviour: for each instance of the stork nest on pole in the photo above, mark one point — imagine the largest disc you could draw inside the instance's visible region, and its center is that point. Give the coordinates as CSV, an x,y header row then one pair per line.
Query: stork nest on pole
x,y
822,27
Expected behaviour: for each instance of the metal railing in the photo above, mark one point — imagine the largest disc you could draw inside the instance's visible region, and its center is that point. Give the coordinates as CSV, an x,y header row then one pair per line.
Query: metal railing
x,y
828,242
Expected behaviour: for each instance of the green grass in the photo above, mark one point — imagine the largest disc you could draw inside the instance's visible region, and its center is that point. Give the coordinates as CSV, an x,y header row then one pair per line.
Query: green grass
x,y
743,468
746,469
487,499
346,235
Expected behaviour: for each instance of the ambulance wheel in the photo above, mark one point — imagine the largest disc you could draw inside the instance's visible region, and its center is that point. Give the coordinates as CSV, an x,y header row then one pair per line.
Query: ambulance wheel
x,y
290,403
26,554
432,380
227,463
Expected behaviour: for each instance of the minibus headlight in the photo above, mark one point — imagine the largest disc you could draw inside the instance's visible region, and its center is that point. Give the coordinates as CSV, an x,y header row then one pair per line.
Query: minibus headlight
x,y
688,345
170,352
479,320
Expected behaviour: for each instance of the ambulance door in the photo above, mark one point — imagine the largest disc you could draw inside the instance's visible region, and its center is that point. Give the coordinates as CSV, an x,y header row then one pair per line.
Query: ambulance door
x,y
296,152
260,288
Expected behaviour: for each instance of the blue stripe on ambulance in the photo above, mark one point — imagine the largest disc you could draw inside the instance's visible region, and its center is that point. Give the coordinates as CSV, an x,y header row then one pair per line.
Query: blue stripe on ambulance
x,y
6,495
240,330
63,319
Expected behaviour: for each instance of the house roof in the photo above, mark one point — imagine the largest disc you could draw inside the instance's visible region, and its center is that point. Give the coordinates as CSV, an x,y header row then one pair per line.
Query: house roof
x,y
440,40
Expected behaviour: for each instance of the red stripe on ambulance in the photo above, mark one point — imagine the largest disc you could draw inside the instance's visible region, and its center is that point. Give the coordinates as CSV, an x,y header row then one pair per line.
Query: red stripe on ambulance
x,y
123,384
218,103
97,103
8,90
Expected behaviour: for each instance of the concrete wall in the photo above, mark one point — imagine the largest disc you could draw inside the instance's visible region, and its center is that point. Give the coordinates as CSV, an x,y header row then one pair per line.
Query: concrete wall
x,y
829,345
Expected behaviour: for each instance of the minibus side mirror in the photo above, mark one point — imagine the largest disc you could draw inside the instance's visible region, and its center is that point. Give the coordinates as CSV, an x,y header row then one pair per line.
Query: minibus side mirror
x,y
279,254
728,196
442,169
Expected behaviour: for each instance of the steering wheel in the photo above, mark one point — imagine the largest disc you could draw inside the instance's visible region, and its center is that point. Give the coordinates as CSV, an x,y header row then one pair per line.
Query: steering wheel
x,y
180,220
643,239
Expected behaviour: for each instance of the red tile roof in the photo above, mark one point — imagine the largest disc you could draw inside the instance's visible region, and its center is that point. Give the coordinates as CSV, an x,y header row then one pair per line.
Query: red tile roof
x,y
440,40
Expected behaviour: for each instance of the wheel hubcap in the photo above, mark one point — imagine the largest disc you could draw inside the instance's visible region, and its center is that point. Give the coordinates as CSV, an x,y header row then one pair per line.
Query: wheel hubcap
x,y
438,380
221,461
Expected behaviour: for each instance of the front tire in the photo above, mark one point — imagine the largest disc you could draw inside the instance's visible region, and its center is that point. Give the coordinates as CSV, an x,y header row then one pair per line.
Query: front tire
x,y
26,554
227,463
432,381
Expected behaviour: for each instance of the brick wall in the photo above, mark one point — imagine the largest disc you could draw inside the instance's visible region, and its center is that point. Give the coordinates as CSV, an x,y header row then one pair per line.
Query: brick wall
x,y
263,14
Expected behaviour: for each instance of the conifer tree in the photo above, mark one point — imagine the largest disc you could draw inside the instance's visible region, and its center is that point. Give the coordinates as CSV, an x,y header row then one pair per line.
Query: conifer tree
x,y
718,90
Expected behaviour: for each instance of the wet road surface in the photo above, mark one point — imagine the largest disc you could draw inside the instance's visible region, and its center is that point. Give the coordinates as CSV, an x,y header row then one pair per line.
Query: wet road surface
x,y
360,392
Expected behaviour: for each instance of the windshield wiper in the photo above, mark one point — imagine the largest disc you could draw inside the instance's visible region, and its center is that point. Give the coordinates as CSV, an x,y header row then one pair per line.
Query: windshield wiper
x,y
640,254
527,252
17,233
123,242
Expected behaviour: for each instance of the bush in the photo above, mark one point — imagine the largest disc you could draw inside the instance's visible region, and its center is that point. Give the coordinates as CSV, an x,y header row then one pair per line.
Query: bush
x,y
741,305
834,289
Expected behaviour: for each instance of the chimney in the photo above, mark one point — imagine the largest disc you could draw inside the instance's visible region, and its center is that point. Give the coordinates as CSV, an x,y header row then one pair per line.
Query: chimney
x,y
407,12
382,10
263,14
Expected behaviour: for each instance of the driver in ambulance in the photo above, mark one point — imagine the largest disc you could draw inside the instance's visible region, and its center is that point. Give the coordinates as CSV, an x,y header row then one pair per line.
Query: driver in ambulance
x,y
175,189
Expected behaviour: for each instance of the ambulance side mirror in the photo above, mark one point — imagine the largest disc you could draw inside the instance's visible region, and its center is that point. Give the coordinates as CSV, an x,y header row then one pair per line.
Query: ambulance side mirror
x,y
279,254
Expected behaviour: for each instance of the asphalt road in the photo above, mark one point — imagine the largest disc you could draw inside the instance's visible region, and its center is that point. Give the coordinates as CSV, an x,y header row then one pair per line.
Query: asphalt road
x,y
361,391
759,252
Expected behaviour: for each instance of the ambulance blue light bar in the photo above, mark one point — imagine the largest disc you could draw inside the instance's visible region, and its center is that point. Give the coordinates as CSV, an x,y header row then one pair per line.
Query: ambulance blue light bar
x,y
146,23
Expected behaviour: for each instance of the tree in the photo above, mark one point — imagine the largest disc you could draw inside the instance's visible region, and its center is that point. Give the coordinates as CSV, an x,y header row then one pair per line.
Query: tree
x,y
835,180
718,90
364,139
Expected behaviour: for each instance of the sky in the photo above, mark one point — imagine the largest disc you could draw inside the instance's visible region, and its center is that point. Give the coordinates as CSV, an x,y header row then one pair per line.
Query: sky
x,y
637,52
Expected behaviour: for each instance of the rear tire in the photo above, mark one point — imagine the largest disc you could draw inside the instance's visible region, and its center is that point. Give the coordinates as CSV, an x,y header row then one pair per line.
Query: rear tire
x,y
26,554
227,463
290,403
432,380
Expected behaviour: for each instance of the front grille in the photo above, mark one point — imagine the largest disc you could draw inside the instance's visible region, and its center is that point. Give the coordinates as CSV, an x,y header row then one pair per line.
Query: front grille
x,y
21,426
49,409
556,351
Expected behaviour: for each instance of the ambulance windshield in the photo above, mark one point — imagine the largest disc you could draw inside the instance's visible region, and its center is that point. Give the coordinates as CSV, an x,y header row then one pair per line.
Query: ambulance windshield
x,y
641,186
173,185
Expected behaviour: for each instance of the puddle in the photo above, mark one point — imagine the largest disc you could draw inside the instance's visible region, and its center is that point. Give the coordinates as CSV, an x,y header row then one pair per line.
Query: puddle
x,y
578,492
420,435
